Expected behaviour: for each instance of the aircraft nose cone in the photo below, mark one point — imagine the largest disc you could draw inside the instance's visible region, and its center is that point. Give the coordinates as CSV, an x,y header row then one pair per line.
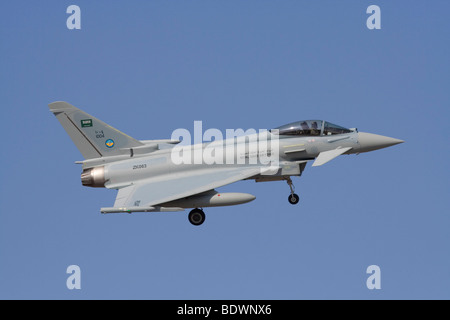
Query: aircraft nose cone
x,y
370,141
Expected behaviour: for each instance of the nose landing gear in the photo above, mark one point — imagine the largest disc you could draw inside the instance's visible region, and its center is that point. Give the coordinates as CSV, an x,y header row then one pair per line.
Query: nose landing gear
x,y
293,197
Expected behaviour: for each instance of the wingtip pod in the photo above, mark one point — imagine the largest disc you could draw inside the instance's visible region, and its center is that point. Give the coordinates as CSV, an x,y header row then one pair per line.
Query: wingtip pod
x,y
126,210
209,199
138,209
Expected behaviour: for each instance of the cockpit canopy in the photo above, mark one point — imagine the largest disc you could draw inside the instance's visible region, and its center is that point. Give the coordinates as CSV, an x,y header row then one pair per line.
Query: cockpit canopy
x,y
310,128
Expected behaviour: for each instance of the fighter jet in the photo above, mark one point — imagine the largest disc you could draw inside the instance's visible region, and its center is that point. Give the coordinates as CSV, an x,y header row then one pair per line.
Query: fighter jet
x,y
150,177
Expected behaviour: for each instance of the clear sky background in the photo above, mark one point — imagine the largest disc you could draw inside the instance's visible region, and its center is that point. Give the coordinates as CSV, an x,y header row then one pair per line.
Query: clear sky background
x,y
150,67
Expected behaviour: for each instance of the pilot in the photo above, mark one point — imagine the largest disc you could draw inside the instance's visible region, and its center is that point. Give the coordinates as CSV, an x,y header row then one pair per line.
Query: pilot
x,y
305,129
315,131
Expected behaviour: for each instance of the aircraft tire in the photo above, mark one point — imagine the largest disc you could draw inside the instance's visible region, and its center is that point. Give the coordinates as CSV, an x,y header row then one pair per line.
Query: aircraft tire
x,y
293,198
196,217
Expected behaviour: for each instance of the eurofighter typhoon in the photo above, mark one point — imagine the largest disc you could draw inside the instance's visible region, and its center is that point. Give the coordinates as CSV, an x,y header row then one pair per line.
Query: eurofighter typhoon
x,y
166,175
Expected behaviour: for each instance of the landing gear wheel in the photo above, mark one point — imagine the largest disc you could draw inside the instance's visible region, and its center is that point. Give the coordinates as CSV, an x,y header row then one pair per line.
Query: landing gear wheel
x,y
293,198
196,217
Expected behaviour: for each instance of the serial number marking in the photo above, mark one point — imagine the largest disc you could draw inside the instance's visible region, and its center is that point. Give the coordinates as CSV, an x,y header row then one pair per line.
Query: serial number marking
x,y
139,166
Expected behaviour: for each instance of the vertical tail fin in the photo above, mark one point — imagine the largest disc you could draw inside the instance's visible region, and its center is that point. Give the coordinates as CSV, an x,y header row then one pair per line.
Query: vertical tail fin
x,y
93,137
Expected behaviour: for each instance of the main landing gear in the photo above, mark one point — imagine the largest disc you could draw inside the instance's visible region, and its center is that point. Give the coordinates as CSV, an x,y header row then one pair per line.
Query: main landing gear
x,y
293,197
196,217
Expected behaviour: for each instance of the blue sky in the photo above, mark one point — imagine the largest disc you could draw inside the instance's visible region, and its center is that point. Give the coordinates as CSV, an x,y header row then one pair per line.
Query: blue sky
x,y
150,67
